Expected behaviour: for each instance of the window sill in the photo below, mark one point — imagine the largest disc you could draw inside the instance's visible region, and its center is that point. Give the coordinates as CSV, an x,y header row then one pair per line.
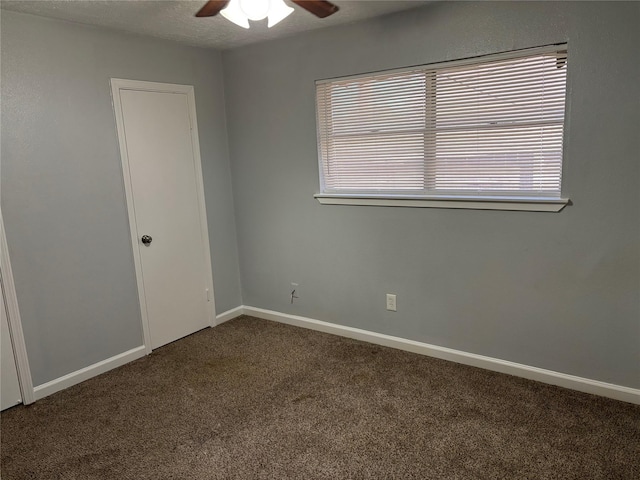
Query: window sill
x,y
520,204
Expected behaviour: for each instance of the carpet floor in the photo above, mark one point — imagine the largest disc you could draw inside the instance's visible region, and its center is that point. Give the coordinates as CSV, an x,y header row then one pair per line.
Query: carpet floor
x,y
253,399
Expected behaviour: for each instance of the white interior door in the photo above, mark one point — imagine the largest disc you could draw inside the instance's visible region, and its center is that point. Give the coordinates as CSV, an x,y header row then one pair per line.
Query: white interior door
x,y
9,386
165,190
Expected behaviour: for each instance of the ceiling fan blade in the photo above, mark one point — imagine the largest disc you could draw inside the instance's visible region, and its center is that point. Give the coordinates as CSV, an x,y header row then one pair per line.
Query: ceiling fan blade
x,y
320,8
211,8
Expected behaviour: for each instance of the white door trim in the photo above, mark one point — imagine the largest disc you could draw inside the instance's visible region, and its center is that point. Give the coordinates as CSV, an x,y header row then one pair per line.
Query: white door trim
x,y
15,323
118,84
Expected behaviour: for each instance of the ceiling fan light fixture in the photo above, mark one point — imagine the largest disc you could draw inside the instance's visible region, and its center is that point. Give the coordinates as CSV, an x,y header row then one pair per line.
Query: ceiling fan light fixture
x,y
234,13
241,11
278,12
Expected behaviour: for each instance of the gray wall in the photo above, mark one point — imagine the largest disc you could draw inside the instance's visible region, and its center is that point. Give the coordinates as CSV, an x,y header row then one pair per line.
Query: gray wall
x,y
558,291
552,290
62,190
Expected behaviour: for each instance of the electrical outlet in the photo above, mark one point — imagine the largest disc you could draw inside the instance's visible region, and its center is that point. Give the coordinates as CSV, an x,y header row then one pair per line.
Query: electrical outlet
x,y
391,302
295,291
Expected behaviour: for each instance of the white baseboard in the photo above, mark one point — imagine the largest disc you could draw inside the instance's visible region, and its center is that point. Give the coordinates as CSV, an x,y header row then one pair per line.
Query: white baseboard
x,y
229,315
595,387
86,373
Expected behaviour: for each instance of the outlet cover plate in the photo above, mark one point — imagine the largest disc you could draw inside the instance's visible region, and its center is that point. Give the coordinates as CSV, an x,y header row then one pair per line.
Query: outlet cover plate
x,y
391,302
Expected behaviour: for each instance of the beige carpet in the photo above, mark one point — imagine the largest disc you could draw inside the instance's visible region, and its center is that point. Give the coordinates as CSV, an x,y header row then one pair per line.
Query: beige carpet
x,y
256,399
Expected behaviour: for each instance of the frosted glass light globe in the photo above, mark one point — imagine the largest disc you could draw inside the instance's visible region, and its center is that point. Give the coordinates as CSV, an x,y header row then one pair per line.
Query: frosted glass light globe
x,y
255,9
278,12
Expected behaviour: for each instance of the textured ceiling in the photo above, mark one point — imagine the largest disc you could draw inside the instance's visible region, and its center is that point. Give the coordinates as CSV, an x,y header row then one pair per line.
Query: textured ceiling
x,y
175,20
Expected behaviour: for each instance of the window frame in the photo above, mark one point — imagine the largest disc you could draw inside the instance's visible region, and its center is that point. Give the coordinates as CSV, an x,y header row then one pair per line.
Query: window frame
x,y
484,201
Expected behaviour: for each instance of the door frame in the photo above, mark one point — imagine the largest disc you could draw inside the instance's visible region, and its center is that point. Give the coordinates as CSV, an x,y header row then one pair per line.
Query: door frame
x,y
14,320
118,84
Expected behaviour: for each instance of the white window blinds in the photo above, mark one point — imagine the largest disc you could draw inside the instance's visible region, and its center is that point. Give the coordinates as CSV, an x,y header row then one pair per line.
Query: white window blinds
x,y
489,127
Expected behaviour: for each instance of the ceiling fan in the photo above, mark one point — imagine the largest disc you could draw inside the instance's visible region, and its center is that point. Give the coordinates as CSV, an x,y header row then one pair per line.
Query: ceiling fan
x,y
241,11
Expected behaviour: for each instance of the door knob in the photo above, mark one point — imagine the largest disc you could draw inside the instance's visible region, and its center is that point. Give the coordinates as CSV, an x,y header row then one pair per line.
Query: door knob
x,y
146,239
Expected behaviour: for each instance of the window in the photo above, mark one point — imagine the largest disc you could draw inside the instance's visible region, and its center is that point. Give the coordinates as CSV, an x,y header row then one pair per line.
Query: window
x,y
483,130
